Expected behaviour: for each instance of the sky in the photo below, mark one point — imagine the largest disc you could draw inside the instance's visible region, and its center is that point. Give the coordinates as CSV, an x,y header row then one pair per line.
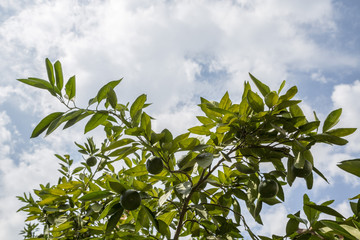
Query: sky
x,y
175,52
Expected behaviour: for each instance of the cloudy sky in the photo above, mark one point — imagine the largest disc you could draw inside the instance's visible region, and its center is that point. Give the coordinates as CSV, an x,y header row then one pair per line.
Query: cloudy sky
x,y
175,52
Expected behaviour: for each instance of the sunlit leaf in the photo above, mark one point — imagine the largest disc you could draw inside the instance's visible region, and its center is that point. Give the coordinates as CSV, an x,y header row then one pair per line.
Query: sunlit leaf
x,y
332,119
264,89
255,102
70,88
97,119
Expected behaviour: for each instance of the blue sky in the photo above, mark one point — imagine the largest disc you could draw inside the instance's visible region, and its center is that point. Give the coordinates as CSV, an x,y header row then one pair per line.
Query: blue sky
x,y
174,51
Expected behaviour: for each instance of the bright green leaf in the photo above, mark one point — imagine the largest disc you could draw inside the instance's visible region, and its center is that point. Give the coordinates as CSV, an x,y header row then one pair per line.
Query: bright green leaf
x,y
97,119
70,88
332,119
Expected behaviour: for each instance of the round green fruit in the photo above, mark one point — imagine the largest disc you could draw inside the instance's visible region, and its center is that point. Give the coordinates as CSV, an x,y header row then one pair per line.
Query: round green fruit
x,y
302,172
268,188
130,200
91,161
154,165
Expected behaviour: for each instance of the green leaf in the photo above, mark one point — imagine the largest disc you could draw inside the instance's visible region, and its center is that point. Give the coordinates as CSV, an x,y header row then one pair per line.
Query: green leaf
x,y
258,208
292,226
309,181
137,105
108,207
300,160
341,132
167,217
38,83
237,211
309,127
225,102
116,186
103,92
114,219
289,94
332,119
44,123
326,210
119,143
59,75
200,130
50,71
327,138
338,229
255,102
76,119
98,195
320,174
204,159
281,86
136,171
264,89
152,218
112,98
146,124
97,119
271,99
70,88
351,166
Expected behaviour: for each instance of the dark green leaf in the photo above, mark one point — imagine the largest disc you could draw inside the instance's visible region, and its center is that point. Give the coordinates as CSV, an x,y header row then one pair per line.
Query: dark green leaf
x,y
326,210
116,186
114,219
332,119
44,123
70,88
76,119
59,75
50,71
264,89
97,119
109,206
320,174
292,226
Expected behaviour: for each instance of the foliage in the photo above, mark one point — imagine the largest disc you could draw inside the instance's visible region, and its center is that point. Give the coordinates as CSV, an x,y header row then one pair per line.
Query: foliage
x,y
208,171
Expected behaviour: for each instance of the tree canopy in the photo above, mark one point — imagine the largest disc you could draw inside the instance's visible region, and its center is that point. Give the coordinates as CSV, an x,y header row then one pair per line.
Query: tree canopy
x,y
191,185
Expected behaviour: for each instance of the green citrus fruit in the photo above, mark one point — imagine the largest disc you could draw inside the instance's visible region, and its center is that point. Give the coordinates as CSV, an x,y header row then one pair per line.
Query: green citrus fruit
x,y
91,161
268,188
130,200
303,172
154,165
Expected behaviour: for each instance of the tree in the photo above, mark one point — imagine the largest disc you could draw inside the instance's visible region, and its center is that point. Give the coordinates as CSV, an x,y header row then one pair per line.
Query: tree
x,y
189,185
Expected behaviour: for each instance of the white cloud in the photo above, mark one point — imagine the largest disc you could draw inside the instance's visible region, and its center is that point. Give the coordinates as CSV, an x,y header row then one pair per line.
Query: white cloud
x,y
175,51
346,96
